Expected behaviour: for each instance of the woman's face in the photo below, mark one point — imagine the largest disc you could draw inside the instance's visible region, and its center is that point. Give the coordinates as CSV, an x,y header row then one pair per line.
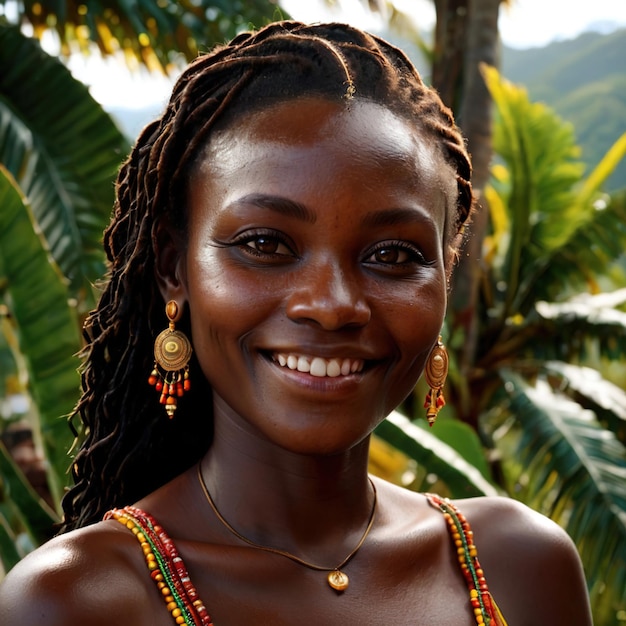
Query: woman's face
x,y
314,271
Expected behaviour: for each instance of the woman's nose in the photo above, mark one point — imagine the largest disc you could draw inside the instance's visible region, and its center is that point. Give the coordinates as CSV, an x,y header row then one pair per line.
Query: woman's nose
x,y
330,297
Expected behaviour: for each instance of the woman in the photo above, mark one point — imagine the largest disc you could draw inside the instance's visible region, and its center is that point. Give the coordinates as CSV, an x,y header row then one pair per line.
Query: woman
x,y
295,213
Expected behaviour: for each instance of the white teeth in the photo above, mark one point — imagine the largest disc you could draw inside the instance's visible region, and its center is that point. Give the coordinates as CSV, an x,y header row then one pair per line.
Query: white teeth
x,y
333,368
319,367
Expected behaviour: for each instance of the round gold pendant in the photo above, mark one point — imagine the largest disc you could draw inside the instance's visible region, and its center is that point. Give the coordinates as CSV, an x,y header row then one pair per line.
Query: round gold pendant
x,y
338,580
172,350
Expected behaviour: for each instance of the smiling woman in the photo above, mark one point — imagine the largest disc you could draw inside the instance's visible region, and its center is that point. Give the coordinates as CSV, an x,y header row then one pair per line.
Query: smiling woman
x,y
279,257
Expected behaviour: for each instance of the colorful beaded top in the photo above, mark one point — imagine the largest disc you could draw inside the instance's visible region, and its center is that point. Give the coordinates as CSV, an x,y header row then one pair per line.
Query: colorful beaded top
x,y
182,601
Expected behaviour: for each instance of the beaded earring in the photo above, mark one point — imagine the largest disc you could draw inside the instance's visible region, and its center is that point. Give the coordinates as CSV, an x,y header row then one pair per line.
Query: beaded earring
x,y
172,351
436,371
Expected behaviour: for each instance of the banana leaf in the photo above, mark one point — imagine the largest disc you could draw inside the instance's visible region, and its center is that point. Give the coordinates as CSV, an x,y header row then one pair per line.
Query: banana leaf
x,y
9,554
462,478
35,516
592,391
64,152
151,32
561,231
47,326
574,470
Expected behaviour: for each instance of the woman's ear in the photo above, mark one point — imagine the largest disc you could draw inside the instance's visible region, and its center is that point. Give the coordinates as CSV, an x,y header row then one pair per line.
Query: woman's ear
x,y
169,268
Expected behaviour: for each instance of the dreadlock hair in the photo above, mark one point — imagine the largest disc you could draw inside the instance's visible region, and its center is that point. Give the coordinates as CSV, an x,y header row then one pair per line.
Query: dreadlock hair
x,y
130,447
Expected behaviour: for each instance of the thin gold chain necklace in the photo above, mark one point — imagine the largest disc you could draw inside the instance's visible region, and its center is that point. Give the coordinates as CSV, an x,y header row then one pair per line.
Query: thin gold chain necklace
x,y
337,579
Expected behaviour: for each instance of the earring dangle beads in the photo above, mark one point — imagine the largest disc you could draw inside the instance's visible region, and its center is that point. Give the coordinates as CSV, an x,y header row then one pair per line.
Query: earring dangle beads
x,y
436,371
172,351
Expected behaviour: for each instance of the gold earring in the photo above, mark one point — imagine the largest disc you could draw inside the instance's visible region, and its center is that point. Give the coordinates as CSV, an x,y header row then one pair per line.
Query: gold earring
x,y
436,371
172,351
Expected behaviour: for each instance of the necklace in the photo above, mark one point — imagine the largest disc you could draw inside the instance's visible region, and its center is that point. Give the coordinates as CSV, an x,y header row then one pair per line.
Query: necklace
x,y
337,579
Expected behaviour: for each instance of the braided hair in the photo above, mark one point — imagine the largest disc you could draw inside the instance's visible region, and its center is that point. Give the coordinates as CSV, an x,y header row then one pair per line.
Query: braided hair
x,y
130,448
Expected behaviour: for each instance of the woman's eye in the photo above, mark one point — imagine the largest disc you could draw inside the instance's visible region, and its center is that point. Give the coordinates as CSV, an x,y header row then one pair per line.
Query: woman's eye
x,y
395,254
266,245
391,255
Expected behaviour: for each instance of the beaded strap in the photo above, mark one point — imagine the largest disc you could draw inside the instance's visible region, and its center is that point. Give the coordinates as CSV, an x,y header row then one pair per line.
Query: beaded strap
x,y
486,611
166,567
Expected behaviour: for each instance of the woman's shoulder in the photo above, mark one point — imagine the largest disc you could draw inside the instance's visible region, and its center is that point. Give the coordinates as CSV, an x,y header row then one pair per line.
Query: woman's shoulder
x,y
91,576
530,563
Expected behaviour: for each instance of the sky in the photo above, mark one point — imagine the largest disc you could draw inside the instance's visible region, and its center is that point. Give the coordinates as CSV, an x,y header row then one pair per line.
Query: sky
x,y
523,24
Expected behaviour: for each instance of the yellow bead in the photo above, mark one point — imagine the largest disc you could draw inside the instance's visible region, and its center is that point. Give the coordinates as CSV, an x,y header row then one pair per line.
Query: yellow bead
x,y
473,593
180,620
171,606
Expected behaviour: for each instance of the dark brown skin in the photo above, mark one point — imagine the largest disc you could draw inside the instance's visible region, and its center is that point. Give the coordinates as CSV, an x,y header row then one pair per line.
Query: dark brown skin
x,y
322,235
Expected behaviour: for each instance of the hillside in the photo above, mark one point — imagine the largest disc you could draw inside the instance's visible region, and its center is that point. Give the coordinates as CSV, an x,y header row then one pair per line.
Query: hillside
x,y
584,80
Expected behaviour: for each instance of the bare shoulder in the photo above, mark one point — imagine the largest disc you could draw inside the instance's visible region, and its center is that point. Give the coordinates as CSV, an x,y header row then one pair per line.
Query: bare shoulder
x,y
90,576
530,563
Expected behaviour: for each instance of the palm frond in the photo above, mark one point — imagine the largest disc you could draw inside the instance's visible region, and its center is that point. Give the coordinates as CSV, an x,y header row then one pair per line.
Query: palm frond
x,y
587,387
47,325
573,470
567,328
63,150
151,32
35,515
550,215
462,478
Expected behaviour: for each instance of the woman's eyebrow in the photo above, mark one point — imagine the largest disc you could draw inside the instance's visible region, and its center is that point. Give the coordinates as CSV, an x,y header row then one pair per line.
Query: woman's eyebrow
x,y
392,217
279,204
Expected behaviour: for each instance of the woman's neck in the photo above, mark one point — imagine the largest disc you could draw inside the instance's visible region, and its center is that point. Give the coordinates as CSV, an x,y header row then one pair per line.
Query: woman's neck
x,y
311,506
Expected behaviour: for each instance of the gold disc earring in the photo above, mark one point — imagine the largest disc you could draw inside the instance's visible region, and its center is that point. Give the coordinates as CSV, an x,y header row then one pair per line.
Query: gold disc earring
x,y
436,372
172,351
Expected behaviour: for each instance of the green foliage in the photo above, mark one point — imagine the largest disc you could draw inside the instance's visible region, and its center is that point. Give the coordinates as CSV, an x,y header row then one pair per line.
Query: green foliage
x,y
553,239
46,324
153,33
461,478
574,471
64,151
59,153
584,81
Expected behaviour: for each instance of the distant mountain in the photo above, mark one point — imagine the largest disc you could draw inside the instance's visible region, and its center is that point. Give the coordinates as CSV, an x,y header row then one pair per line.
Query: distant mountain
x,y
584,81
